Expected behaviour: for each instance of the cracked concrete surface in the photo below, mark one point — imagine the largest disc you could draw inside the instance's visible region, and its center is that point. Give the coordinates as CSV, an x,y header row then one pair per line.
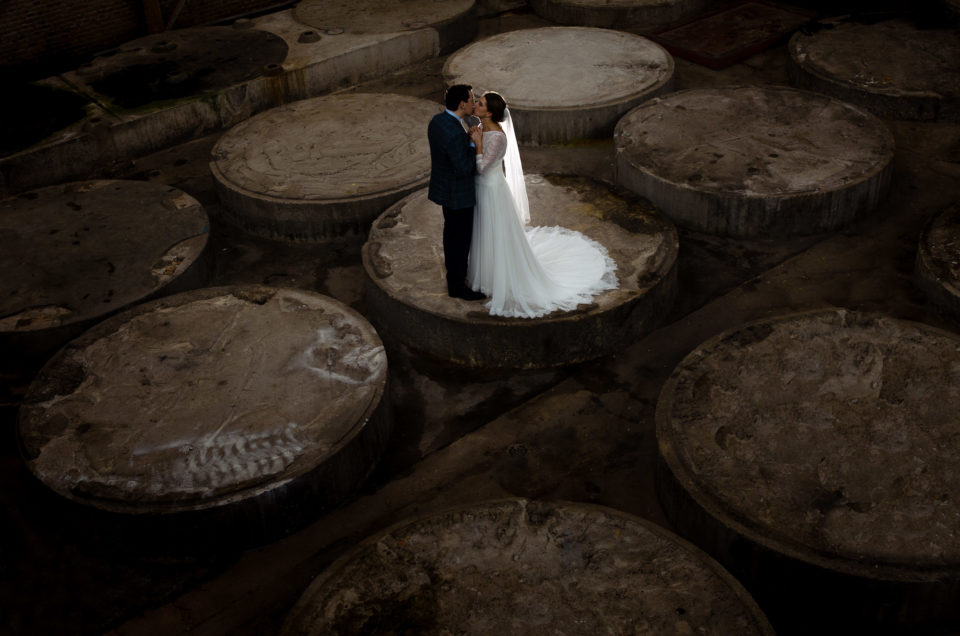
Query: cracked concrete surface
x,y
582,434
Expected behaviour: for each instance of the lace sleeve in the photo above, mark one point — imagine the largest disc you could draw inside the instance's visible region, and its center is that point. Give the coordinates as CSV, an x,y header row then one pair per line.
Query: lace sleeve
x,y
494,148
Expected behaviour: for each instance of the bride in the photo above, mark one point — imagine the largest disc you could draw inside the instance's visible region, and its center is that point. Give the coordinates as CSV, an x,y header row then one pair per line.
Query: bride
x,y
526,272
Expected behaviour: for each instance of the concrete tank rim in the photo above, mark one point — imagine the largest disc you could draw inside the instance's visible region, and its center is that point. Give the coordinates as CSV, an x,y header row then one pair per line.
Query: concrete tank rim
x,y
520,106
241,128
715,509
925,258
618,3
794,49
296,10
334,568
487,319
889,144
289,202
133,183
108,326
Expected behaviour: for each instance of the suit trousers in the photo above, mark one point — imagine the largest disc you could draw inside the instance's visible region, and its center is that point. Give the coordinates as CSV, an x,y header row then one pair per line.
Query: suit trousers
x,y
457,233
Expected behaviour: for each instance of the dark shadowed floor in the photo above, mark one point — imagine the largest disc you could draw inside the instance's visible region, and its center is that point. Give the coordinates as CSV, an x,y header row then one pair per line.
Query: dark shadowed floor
x,y
583,434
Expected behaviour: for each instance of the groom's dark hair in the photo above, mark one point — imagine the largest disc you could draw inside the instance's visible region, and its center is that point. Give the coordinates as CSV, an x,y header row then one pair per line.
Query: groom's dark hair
x,y
456,94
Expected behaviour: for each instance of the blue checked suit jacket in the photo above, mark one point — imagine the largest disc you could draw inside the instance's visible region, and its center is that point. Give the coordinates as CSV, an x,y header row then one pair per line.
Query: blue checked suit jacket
x,y
452,163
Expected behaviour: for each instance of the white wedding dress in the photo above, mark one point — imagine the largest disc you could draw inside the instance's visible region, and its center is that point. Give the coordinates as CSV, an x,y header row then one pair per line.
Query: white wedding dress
x,y
533,271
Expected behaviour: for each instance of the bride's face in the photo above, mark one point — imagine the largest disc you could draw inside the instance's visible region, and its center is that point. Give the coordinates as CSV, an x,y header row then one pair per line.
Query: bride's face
x,y
480,110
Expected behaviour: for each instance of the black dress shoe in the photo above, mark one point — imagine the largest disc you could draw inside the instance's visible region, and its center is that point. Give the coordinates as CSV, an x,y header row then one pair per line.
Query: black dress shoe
x,y
466,294
469,294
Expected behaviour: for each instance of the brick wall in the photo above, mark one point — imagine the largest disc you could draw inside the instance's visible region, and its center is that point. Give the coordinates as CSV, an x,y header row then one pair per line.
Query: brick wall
x,y
40,38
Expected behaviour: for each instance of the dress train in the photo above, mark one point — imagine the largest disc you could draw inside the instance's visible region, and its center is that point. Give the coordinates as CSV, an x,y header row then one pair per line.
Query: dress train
x,y
534,271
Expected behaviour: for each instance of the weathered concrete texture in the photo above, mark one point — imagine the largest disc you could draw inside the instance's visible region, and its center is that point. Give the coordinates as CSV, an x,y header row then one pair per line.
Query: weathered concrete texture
x,y
407,297
814,453
734,32
75,253
455,21
486,8
314,63
564,83
524,567
178,64
617,14
238,404
953,6
752,161
891,68
465,435
324,167
938,261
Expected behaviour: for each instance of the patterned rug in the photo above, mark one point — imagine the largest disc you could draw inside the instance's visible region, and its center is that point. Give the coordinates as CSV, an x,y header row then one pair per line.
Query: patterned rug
x,y
721,38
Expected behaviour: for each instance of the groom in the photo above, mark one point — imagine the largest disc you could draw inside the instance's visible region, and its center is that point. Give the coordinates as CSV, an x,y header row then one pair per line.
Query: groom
x,y
452,165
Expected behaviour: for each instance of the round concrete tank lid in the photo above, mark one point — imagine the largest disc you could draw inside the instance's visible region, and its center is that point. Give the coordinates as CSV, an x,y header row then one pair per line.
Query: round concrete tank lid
x,y
827,436
372,16
329,148
181,63
755,161
562,68
403,261
938,259
523,567
892,57
617,14
754,141
78,251
202,399
615,3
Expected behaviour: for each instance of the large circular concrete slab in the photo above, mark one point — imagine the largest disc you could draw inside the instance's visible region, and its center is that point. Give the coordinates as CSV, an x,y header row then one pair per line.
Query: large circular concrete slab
x,y
524,567
325,167
407,297
891,68
564,83
814,454
755,161
75,253
617,14
181,63
253,407
454,20
938,261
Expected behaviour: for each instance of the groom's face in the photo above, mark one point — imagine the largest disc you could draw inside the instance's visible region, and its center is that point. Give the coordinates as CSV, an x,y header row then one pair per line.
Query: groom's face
x,y
467,106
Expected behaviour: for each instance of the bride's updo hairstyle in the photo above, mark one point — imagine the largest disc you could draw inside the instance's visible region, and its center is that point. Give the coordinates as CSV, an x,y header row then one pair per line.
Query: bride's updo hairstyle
x,y
495,105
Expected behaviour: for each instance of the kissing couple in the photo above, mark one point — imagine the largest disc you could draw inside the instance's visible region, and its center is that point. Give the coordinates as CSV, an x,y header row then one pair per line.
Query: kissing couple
x,y
489,251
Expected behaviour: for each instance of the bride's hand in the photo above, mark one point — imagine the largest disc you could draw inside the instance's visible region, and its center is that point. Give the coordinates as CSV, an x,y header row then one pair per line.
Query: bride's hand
x,y
475,134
